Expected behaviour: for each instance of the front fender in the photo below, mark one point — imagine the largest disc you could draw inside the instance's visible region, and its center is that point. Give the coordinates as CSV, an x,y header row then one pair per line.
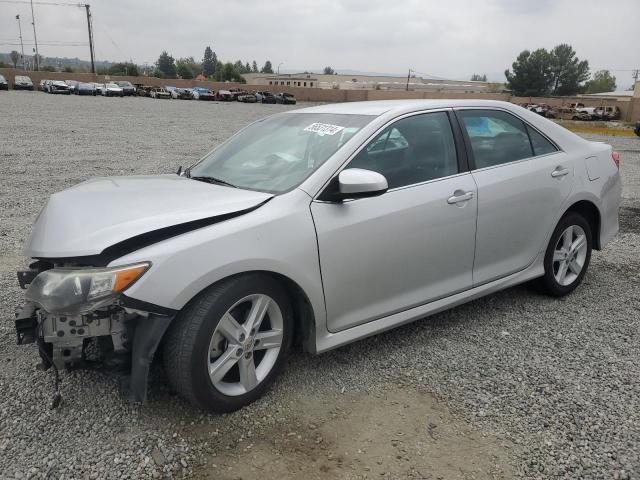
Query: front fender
x,y
279,237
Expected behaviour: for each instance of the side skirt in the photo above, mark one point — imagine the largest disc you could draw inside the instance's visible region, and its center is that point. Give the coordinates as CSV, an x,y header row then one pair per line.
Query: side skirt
x,y
326,340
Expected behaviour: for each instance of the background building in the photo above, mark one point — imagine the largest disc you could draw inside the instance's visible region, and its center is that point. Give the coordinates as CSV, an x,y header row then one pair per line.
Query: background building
x,y
371,82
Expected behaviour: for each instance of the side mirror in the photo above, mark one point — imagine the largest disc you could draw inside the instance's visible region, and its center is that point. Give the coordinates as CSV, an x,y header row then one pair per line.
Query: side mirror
x,y
355,183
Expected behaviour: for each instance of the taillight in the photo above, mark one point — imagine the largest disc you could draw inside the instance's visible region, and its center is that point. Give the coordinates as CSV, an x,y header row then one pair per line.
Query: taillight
x,y
615,156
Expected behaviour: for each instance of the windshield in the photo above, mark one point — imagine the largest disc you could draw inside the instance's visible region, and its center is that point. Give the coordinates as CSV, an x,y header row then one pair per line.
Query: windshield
x,y
277,153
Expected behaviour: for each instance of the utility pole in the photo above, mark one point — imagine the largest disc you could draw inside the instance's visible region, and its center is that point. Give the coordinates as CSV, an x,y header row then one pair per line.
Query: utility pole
x,y
635,75
21,44
408,77
93,66
35,38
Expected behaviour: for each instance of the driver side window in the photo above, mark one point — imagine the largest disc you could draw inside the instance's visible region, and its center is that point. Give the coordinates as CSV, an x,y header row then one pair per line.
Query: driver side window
x,y
412,150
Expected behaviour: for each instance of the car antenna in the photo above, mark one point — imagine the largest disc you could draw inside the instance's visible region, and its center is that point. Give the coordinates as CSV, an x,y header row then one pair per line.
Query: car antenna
x,y
179,170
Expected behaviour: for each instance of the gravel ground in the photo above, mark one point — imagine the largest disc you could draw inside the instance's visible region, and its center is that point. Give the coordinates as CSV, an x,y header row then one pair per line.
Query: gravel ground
x,y
545,388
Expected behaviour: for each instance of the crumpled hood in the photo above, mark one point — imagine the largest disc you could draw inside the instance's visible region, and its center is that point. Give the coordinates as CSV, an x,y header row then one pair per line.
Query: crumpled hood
x,y
96,214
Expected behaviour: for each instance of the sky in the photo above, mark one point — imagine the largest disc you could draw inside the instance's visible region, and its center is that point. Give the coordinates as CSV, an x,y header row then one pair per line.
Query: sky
x,y
444,38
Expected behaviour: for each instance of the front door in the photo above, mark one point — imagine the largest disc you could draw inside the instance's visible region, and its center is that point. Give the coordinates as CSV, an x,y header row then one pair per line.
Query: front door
x,y
409,246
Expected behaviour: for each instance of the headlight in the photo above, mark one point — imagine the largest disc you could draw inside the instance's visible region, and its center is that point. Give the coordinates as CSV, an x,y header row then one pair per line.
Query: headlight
x,y
75,291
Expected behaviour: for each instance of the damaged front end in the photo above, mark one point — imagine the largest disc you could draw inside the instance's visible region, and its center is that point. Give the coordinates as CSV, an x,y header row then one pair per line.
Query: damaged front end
x,y
80,318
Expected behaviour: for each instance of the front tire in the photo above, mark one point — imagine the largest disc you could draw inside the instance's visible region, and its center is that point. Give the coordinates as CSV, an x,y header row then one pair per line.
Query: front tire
x,y
567,257
227,345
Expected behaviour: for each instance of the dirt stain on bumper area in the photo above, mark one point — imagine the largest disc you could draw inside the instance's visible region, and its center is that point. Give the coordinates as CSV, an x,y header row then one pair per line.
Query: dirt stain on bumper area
x,y
397,434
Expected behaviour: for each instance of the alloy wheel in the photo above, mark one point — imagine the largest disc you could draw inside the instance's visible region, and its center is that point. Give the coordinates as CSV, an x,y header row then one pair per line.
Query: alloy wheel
x,y
245,345
569,255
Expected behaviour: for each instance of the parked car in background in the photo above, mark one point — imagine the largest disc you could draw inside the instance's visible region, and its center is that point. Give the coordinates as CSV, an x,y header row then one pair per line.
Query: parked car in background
x,y
4,85
277,234
202,93
236,92
568,113
112,90
181,94
637,129
590,111
22,82
127,87
143,90
607,113
159,92
73,84
224,96
267,97
58,86
542,109
285,98
85,89
247,97
42,86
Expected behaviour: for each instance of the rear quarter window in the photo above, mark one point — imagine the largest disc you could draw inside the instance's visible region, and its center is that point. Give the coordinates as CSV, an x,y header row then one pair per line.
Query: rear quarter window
x,y
541,146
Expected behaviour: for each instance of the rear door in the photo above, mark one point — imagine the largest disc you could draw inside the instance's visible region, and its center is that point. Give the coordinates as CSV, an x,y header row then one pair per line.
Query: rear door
x,y
523,180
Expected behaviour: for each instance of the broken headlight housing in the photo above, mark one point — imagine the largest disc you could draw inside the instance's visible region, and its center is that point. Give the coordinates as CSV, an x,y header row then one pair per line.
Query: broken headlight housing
x,y
76,291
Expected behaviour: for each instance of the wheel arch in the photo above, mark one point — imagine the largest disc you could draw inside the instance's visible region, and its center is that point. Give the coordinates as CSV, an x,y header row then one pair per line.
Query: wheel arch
x,y
304,316
590,212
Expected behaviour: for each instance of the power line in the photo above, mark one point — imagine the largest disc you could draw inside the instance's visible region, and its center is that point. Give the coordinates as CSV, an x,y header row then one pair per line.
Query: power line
x,y
57,4
57,43
65,44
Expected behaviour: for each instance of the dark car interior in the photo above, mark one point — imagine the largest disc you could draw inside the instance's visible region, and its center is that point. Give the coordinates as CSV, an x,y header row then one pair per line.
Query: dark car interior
x,y
414,150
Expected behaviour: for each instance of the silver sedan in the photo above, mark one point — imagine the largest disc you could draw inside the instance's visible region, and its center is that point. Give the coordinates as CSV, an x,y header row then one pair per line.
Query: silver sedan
x,y
320,226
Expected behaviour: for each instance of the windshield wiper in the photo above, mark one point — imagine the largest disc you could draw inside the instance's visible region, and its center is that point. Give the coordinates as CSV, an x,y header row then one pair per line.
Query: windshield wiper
x,y
213,180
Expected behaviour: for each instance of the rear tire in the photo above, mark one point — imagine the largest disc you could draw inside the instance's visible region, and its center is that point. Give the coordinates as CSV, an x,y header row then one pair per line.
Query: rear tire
x,y
228,344
567,257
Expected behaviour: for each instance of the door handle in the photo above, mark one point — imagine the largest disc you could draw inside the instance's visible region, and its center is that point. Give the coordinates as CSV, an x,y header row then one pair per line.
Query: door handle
x,y
559,172
459,197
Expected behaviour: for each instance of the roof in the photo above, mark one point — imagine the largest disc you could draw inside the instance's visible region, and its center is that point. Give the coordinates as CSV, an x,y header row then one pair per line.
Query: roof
x,y
378,107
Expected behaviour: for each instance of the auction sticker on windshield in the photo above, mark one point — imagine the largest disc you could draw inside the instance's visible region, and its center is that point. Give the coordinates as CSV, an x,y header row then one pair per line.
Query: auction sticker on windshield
x,y
323,128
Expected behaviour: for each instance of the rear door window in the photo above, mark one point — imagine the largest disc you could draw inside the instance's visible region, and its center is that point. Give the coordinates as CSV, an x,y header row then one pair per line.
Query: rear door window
x,y
496,137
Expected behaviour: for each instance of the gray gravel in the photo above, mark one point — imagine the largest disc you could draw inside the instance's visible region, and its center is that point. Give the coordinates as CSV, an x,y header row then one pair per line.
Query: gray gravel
x,y
556,381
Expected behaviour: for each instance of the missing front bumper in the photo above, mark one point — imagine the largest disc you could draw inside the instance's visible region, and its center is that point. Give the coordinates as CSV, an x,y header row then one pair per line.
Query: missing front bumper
x,y
111,340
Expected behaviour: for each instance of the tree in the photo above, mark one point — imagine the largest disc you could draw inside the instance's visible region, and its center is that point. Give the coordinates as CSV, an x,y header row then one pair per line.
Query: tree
x,y
602,81
531,74
187,67
254,67
14,56
267,67
239,66
558,72
568,72
329,71
67,69
229,72
166,65
209,62
247,68
126,68
183,71
476,77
